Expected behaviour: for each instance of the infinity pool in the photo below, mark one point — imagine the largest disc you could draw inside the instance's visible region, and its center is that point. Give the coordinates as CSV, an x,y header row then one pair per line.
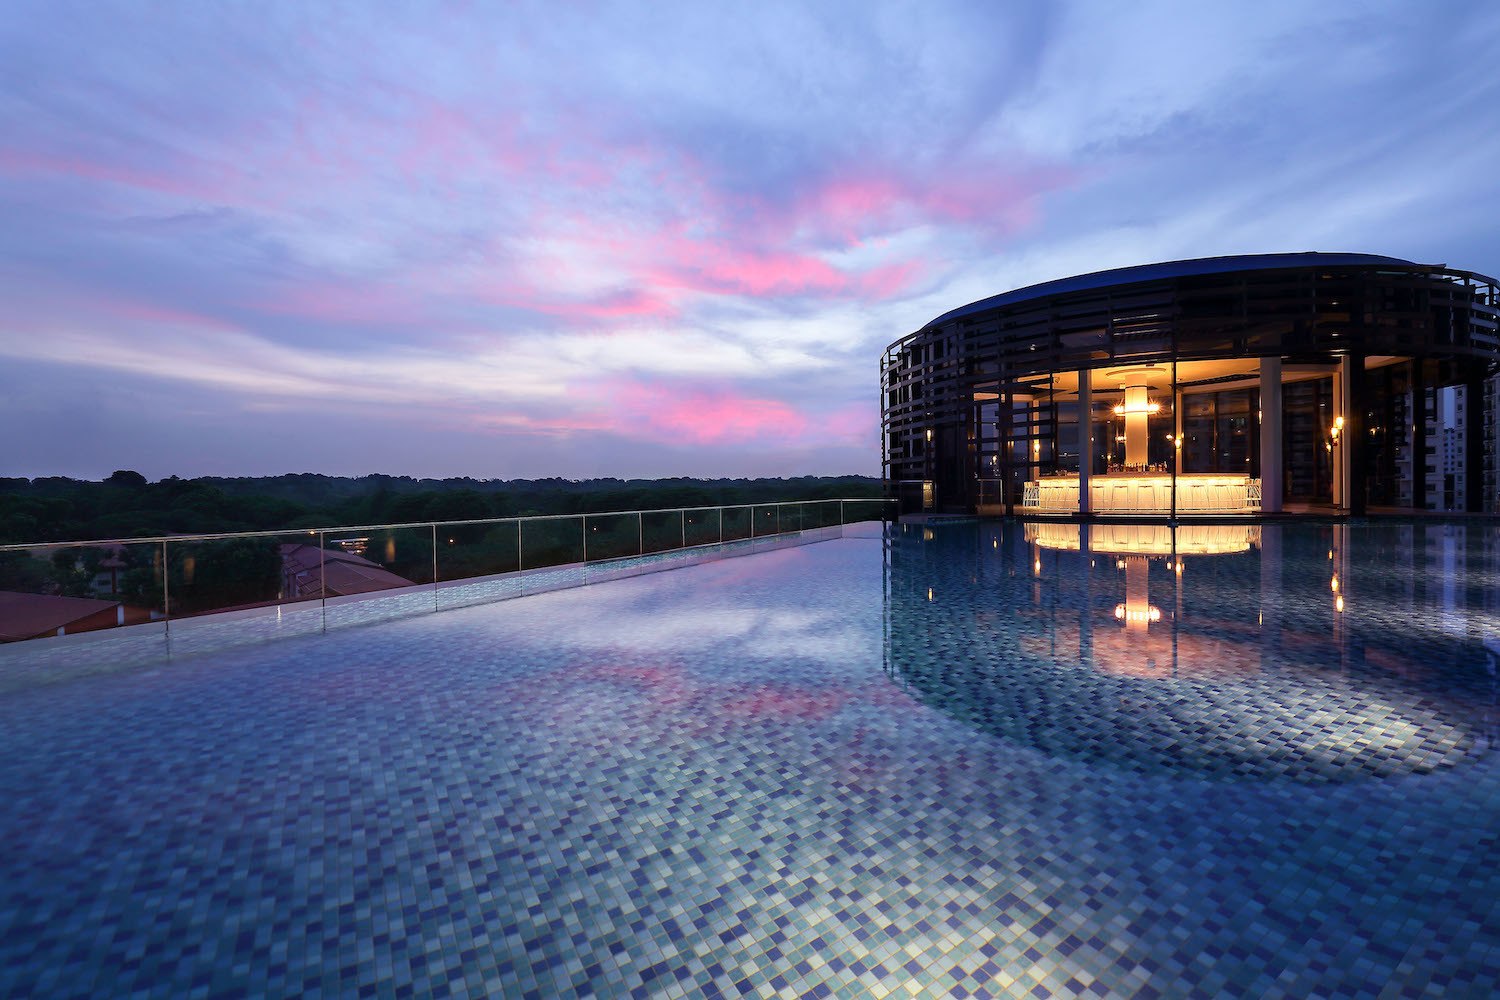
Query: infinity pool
x,y
974,760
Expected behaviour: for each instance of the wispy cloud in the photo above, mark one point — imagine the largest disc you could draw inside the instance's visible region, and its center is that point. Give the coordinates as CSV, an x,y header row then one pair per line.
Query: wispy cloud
x,y
685,231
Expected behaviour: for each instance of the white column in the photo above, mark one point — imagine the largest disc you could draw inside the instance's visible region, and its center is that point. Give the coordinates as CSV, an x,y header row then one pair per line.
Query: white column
x,y
1137,397
1085,437
1270,435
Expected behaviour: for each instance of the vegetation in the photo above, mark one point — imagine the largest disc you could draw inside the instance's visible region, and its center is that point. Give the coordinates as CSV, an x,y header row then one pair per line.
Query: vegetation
x,y
126,505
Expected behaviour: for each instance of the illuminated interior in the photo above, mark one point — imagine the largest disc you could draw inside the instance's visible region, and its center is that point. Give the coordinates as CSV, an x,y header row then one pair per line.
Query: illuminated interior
x,y
1189,438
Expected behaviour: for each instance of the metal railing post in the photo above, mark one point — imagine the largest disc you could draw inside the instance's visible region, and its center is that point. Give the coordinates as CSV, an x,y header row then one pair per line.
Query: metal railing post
x,y
585,531
640,535
683,514
518,545
434,567
322,583
721,525
166,591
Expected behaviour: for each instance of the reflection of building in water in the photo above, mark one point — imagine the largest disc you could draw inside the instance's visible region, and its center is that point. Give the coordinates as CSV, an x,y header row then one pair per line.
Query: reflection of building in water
x,y
1218,648
1139,649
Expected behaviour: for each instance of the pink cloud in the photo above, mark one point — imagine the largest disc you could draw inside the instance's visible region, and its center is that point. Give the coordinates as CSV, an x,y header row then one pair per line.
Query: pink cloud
x,y
853,206
702,415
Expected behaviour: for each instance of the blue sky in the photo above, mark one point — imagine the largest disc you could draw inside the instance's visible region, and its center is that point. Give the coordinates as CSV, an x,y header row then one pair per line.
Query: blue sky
x,y
638,240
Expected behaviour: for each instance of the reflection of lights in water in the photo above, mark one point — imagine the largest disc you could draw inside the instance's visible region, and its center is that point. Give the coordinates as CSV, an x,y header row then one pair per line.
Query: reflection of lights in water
x,y
1185,697
1334,583
1037,566
929,593
926,534
1148,539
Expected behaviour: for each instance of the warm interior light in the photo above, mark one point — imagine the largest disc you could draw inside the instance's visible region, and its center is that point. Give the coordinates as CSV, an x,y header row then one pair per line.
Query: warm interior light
x,y
1148,407
1148,614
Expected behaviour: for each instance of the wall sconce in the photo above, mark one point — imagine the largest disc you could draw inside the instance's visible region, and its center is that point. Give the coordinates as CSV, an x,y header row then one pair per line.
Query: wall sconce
x,y
1336,429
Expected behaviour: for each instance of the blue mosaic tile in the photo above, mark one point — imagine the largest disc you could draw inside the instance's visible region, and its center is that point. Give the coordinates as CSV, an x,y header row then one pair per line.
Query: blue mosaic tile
x,y
898,765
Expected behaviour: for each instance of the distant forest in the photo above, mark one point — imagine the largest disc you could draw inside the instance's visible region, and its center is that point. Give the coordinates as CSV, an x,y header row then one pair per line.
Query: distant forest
x,y
126,505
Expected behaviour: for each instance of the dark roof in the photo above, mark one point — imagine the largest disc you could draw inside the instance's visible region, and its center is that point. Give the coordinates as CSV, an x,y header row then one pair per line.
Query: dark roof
x,y
1172,269
342,573
25,616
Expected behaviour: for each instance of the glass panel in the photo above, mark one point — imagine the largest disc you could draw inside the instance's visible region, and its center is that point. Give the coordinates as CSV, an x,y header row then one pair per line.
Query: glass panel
x,y
661,530
1198,428
702,526
613,536
241,574
766,522
1306,449
379,573
820,514
66,589
863,510
471,549
471,558
737,522
551,541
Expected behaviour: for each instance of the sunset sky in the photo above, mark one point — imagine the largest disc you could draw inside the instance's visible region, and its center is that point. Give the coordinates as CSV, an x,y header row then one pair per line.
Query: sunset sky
x,y
651,239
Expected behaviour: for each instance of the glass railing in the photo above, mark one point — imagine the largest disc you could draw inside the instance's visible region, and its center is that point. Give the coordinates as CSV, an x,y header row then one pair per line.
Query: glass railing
x,y
301,581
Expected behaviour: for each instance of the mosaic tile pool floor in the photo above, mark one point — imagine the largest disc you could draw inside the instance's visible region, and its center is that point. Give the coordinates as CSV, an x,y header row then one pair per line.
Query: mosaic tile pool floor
x,y
961,762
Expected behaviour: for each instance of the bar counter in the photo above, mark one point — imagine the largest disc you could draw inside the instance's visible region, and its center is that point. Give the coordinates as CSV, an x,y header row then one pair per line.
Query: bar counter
x,y
1146,493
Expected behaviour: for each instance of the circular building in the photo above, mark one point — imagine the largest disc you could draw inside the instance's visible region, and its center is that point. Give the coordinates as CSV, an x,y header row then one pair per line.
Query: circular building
x,y
1225,385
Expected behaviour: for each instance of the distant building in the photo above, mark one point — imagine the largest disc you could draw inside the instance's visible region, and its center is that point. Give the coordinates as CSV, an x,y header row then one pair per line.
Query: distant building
x,y
310,572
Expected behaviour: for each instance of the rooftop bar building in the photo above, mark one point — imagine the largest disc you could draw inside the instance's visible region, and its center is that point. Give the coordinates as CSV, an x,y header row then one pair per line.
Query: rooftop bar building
x,y
1219,386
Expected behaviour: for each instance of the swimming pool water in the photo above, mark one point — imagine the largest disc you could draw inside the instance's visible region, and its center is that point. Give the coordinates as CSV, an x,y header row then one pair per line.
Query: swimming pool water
x,y
967,760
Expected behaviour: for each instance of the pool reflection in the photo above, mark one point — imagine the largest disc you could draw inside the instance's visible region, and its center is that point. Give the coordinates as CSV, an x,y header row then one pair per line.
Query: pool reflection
x,y
1310,652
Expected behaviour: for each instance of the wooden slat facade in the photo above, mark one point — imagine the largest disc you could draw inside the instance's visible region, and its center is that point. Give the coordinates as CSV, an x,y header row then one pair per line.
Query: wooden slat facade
x,y
935,429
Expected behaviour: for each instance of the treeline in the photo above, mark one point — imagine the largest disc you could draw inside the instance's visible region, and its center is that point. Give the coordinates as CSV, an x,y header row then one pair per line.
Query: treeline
x,y
126,505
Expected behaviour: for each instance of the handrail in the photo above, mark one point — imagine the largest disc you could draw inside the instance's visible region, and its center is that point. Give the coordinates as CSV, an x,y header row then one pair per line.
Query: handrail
x,y
284,532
